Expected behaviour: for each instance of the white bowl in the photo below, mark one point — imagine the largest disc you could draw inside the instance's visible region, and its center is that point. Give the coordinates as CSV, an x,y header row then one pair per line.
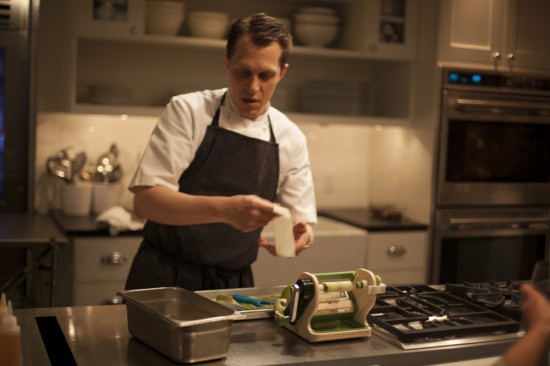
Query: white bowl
x,y
316,18
316,10
285,23
208,24
164,17
315,35
163,24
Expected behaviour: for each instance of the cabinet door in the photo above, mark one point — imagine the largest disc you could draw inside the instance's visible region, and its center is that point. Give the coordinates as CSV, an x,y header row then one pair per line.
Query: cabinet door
x,y
92,293
527,34
471,30
391,29
109,18
396,255
104,259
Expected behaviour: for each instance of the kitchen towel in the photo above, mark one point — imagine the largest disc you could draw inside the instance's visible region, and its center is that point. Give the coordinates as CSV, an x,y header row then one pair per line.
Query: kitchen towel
x,y
284,238
118,220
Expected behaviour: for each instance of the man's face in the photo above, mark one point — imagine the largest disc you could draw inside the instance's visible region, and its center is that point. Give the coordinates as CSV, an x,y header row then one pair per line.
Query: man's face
x,y
254,72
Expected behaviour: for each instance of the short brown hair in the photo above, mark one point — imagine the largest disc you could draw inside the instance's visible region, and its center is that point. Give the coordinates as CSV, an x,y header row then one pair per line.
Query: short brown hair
x,y
263,30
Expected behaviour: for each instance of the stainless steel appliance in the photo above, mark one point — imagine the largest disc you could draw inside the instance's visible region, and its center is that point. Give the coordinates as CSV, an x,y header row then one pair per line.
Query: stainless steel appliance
x,y
17,21
419,316
493,139
488,243
492,185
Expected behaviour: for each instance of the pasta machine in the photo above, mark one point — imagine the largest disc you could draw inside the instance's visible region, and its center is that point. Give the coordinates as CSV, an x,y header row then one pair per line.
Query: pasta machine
x,y
329,306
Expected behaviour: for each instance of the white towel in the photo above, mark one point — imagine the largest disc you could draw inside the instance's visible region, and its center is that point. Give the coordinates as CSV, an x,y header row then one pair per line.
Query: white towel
x,y
284,238
119,220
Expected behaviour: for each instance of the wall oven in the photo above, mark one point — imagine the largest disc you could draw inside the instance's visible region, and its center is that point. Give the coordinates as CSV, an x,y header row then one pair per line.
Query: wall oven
x,y
492,182
476,245
494,140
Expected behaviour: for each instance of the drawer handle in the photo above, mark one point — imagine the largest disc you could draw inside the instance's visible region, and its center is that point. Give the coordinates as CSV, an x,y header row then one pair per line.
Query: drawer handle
x,y
115,300
396,251
113,258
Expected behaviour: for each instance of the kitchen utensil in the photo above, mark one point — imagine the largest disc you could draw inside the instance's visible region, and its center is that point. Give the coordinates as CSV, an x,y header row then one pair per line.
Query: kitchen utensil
x,y
56,168
182,325
330,306
251,300
78,163
107,167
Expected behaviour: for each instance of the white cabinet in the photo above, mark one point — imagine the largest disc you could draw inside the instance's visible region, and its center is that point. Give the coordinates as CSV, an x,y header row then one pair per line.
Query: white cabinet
x,y
391,29
101,265
338,247
152,68
108,18
398,257
504,34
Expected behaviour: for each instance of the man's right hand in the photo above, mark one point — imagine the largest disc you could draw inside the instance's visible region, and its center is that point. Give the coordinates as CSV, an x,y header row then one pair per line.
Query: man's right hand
x,y
248,212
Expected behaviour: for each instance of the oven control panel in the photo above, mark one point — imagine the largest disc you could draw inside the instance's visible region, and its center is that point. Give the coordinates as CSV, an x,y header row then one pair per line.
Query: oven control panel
x,y
487,79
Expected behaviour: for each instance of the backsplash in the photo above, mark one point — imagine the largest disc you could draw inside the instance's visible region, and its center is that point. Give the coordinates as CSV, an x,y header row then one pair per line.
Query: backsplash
x,y
339,154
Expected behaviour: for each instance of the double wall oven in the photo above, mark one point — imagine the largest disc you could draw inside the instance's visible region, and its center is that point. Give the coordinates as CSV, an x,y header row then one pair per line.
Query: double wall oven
x,y
492,185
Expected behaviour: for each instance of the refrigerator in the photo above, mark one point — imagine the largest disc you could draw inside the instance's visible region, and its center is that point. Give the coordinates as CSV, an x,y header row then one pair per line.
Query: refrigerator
x,y
18,22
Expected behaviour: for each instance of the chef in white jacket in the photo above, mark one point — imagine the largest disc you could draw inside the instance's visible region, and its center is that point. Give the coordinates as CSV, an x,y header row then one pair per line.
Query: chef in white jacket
x,y
216,164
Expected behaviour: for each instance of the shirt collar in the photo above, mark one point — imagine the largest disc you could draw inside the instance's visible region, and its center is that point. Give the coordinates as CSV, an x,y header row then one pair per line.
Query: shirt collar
x,y
232,115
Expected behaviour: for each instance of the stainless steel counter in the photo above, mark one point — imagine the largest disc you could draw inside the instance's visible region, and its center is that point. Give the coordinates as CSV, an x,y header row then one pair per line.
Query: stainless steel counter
x,y
99,335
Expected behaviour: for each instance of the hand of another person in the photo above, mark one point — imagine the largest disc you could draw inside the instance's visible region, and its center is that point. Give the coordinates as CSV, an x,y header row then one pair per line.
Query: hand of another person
x,y
536,311
303,236
530,350
248,212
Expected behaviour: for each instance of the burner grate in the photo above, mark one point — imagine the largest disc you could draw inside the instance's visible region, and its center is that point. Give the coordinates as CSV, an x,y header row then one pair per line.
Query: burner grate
x,y
415,312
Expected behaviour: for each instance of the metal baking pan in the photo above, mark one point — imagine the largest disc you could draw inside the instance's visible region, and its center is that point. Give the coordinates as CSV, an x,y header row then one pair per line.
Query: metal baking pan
x,y
257,292
180,324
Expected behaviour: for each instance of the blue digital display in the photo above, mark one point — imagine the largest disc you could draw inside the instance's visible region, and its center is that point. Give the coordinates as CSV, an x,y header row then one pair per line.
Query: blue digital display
x,y
453,77
476,78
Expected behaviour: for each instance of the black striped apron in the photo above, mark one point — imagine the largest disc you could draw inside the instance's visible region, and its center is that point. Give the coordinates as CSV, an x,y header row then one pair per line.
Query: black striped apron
x,y
210,256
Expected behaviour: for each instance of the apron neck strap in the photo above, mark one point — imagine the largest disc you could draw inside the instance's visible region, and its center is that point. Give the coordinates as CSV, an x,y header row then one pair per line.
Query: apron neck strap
x,y
216,119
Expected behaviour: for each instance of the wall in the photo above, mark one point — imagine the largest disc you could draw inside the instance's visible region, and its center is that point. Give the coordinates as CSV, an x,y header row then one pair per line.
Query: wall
x,y
338,153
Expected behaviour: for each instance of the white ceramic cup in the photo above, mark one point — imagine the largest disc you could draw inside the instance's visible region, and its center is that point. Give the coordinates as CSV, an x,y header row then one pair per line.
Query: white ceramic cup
x,y
105,196
76,199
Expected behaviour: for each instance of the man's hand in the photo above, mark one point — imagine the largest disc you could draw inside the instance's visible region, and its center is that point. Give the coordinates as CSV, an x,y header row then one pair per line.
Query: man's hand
x,y
248,213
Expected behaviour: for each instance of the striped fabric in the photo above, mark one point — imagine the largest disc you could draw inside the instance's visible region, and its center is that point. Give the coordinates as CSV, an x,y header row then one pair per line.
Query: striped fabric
x,y
215,255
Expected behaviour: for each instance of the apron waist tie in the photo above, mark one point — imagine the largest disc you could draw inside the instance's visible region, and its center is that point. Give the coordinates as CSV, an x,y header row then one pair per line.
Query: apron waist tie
x,y
211,277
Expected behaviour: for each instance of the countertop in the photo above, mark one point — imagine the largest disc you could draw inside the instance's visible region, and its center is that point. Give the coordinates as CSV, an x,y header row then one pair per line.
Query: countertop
x,y
98,335
85,225
357,217
361,218
29,229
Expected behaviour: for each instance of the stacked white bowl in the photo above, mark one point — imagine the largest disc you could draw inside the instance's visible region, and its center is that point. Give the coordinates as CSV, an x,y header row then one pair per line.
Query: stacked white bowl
x,y
164,17
315,26
208,24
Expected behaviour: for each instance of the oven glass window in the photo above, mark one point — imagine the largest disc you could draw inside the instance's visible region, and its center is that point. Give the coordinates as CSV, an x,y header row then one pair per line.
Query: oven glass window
x,y
498,152
2,118
490,258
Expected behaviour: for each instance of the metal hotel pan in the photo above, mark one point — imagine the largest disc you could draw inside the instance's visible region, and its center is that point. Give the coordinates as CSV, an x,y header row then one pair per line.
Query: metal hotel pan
x,y
180,324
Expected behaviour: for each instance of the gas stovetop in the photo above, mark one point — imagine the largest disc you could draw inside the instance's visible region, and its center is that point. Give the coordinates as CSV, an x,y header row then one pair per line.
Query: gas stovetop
x,y
419,316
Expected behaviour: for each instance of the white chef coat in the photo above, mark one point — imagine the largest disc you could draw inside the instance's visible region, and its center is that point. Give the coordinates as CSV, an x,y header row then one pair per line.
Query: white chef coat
x,y
181,129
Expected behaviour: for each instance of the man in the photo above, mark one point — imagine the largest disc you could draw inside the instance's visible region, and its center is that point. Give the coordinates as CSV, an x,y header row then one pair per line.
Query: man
x,y
215,163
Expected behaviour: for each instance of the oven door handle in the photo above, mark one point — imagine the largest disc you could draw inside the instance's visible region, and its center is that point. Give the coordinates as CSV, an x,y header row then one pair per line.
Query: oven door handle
x,y
502,104
498,220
